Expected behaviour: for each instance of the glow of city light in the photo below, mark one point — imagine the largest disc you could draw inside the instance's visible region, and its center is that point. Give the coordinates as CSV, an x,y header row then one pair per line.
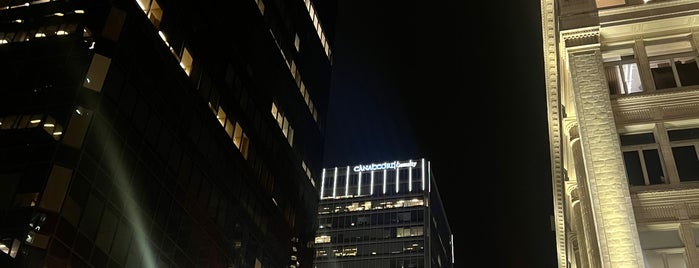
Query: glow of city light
x,y
125,192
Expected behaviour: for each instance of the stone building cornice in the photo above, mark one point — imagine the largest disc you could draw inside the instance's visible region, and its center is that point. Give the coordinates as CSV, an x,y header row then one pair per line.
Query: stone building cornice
x,y
581,36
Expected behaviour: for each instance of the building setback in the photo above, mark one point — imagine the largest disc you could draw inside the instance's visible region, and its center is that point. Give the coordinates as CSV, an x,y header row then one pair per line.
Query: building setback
x,y
382,215
144,133
622,87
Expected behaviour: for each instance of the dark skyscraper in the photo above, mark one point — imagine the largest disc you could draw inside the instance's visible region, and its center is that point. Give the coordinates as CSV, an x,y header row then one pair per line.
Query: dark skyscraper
x,y
161,133
382,215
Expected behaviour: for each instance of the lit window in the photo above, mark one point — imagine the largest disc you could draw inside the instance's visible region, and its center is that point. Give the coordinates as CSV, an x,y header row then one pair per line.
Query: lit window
x,y
621,69
322,239
186,62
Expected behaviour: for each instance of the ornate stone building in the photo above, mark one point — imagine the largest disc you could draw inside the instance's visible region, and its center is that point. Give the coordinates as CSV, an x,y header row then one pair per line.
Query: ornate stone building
x,y
622,89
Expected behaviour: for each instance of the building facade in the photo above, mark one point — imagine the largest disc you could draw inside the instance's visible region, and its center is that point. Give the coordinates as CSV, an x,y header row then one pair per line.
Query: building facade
x,y
162,133
622,87
382,215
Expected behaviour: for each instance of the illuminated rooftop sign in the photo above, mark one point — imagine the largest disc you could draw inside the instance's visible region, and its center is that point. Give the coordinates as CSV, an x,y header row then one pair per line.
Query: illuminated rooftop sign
x,y
384,165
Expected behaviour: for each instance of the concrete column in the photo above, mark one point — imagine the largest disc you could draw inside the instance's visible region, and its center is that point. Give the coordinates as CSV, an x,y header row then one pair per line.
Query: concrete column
x,y
615,223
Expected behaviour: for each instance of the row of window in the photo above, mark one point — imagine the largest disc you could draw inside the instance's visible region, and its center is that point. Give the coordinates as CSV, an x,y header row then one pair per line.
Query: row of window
x,y
369,205
371,250
646,164
671,64
370,220
31,121
372,234
319,28
154,13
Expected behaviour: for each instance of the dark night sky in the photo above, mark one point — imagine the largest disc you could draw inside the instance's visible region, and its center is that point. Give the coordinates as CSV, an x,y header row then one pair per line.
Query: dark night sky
x,y
460,84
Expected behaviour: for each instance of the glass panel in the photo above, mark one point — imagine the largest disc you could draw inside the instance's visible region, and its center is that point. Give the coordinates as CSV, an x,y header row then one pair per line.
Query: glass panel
x,y
676,260
636,139
633,168
662,74
654,260
654,167
660,239
55,191
687,70
613,80
683,134
632,78
686,162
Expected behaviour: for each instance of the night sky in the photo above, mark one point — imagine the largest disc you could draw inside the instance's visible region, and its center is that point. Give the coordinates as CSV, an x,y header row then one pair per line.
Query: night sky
x,y
460,84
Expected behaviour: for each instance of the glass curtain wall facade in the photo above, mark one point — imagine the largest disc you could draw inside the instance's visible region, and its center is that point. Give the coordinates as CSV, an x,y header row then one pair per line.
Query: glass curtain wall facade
x,y
160,133
622,88
386,215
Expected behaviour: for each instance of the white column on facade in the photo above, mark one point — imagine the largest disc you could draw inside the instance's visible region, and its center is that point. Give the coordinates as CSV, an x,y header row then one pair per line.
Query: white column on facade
x,y
587,219
578,226
606,178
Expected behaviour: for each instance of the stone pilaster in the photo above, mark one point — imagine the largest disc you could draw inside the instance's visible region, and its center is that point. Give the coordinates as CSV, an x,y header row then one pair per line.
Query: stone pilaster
x,y
582,236
587,219
615,224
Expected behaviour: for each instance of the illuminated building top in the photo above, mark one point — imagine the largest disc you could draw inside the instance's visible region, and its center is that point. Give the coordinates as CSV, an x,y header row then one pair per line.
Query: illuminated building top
x,y
390,177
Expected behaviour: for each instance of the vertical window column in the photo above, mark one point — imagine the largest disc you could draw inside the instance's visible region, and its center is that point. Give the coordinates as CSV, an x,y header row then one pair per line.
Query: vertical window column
x,y
668,158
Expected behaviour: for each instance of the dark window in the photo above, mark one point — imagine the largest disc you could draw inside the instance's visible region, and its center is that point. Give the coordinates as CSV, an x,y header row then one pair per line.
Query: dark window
x,y
683,134
653,167
687,71
634,170
636,139
687,163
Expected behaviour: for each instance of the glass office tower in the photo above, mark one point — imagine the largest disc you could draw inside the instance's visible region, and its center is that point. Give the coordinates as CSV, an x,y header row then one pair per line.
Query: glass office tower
x,y
382,215
161,133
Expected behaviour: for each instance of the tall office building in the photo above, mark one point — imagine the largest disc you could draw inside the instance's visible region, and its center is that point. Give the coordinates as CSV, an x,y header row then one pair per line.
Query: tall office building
x,y
161,133
622,88
382,215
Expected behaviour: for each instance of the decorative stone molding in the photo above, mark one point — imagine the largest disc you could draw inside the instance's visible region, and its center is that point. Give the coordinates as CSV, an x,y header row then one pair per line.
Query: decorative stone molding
x,y
662,105
581,37
549,34
570,125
